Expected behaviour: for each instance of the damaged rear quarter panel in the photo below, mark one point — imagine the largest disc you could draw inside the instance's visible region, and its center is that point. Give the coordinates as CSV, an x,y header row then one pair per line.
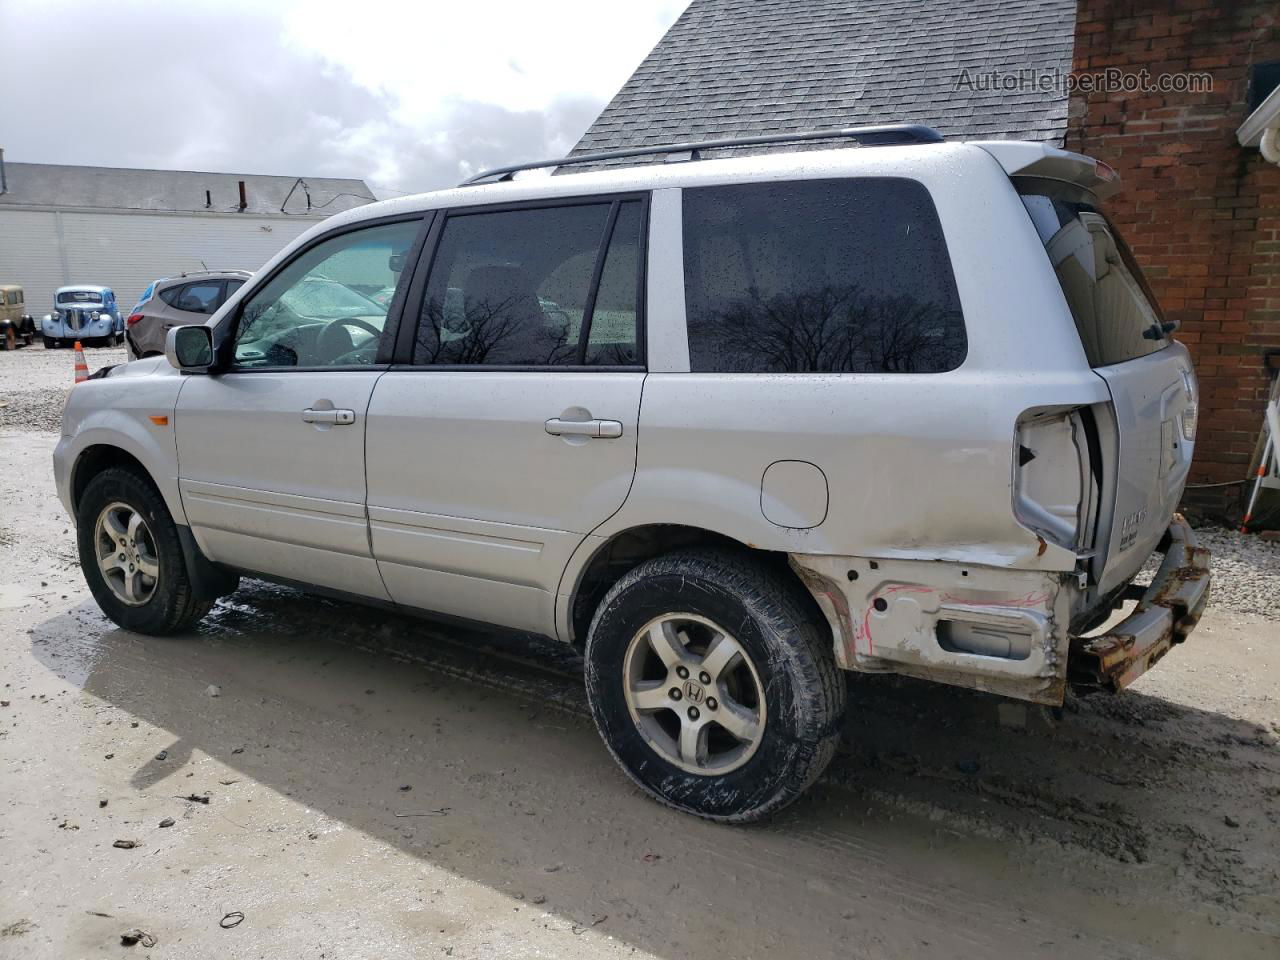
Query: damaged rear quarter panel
x,y
885,617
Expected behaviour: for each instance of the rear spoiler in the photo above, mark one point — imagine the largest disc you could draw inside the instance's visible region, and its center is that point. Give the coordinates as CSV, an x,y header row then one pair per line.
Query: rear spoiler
x,y
1023,159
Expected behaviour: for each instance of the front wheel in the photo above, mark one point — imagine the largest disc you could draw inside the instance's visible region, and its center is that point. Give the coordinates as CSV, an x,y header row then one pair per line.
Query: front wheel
x,y
712,681
131,556
50,343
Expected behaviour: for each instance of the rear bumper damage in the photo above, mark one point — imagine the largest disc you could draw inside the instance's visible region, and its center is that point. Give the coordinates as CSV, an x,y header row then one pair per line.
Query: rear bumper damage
x,y
1167,612
1002,630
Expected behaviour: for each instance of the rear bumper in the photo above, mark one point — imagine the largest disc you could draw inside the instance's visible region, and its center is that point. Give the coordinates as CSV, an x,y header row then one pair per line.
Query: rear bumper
x,y
1165,615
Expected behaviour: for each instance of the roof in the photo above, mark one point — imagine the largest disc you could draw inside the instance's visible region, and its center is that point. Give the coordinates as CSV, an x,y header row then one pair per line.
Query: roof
x,y
906,160
84,288
50,185
742,67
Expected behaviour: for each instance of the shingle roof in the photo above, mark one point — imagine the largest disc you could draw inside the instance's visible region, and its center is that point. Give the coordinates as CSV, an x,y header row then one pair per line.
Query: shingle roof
x,y
741,67
118,188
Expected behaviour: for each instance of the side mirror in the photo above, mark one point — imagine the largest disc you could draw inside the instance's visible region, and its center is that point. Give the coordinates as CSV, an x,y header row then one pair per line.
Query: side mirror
x,y
189,349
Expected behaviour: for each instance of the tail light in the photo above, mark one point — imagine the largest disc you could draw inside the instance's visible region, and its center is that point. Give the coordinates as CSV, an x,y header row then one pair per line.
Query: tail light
x,y
1053,487
133,318
1191,412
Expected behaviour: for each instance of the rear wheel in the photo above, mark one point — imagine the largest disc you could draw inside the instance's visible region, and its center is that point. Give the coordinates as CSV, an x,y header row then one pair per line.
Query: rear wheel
x,y
713,684
131,556
50,343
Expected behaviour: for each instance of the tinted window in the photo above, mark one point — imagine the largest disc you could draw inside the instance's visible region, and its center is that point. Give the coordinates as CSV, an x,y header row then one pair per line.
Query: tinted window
x,y
199,297
317,311
819,276
613,338
513,288
232,287
1115,313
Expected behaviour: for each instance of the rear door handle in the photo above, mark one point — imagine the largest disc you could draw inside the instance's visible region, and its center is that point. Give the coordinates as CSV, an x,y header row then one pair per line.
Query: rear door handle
x,y
337,418
595,429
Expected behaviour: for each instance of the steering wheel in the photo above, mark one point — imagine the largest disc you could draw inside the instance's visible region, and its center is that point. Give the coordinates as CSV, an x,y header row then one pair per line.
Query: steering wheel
x,y
334,341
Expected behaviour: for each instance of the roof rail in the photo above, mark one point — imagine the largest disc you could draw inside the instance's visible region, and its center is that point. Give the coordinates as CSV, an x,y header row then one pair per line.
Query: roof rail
x,y
201,273
877,136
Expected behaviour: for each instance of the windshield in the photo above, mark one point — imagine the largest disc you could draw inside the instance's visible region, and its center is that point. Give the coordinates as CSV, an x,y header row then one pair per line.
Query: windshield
x,y
79,296
1115,312
328,300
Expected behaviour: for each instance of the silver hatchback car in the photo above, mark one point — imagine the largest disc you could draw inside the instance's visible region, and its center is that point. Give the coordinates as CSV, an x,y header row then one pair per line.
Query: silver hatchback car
x,y
729,426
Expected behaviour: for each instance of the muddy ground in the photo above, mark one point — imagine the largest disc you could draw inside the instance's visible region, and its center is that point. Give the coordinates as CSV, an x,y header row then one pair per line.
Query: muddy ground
x,y
381,787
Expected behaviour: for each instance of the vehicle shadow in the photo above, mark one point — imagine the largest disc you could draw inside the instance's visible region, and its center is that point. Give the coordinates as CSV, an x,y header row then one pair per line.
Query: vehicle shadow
x,y
938,826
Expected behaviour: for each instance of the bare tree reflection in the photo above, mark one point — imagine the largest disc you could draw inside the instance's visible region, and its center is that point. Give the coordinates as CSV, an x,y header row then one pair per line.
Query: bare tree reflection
x,y
489,332
836,329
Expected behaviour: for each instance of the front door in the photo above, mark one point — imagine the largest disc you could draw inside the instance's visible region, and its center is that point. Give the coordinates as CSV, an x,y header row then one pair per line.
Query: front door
x,y
512,434
271,452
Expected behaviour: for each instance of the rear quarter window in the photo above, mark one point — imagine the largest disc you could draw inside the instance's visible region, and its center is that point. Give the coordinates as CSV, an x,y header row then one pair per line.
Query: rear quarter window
x,y
819,276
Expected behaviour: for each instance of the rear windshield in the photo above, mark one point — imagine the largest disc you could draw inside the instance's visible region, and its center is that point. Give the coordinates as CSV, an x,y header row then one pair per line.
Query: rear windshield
x,y
80,296
1116,315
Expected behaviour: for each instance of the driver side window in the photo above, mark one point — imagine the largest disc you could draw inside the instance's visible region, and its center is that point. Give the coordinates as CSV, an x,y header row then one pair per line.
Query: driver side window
x,y
329,305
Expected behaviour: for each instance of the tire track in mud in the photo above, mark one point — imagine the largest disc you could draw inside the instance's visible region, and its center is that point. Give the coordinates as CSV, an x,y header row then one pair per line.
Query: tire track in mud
x,y
1103,783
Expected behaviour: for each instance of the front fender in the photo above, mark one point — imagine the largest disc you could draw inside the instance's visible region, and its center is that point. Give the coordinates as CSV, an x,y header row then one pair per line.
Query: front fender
x,y
116,412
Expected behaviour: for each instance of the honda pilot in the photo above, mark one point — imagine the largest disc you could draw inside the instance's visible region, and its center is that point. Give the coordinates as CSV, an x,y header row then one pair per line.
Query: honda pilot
x,y
730,426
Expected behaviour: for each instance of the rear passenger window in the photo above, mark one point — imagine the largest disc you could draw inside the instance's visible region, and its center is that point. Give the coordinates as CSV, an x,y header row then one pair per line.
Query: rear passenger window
x,y
200,297
547,286
819,276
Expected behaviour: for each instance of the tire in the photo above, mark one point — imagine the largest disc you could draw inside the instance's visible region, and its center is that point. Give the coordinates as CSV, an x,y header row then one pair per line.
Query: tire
x,y
784,653
50,343
168,606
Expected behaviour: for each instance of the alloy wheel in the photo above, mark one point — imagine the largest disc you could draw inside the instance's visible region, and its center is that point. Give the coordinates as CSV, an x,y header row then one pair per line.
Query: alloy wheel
x,y
694,694
126,553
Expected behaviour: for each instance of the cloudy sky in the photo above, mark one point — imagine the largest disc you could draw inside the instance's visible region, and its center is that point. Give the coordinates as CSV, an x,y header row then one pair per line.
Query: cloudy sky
x,y
409,96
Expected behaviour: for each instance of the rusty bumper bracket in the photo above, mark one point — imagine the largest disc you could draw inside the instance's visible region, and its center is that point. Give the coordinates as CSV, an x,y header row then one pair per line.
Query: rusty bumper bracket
x,y
1166,613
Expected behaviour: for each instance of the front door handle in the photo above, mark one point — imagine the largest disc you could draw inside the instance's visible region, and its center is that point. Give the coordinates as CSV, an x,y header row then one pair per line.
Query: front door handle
x,y
595,429
337,418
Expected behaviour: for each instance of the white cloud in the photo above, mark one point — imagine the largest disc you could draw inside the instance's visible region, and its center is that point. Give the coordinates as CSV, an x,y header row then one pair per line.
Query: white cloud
x,y
518,55
407,96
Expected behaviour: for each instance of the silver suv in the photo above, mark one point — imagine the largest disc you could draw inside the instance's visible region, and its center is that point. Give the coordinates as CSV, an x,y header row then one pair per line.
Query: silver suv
x,y
174,301
729,426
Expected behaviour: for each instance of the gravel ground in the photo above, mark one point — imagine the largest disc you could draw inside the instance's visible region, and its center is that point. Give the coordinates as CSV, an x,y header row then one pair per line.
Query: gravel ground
x,y
1246,571
34,383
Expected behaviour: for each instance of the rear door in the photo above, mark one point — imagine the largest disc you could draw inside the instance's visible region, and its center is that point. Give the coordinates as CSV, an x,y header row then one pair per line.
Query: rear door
x,y
509,431
1147,450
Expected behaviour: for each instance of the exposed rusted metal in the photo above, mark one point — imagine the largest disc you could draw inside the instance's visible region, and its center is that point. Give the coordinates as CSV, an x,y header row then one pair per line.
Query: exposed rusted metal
x,y
1167,612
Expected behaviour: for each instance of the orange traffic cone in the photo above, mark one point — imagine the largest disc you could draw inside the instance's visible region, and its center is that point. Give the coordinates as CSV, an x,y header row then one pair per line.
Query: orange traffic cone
x,y
82,368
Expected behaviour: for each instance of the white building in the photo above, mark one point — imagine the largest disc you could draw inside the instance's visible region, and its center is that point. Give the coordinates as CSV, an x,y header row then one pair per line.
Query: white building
x,y
124,228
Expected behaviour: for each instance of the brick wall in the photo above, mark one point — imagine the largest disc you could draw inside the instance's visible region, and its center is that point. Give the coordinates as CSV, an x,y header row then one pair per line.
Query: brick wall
x,y
1201,212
